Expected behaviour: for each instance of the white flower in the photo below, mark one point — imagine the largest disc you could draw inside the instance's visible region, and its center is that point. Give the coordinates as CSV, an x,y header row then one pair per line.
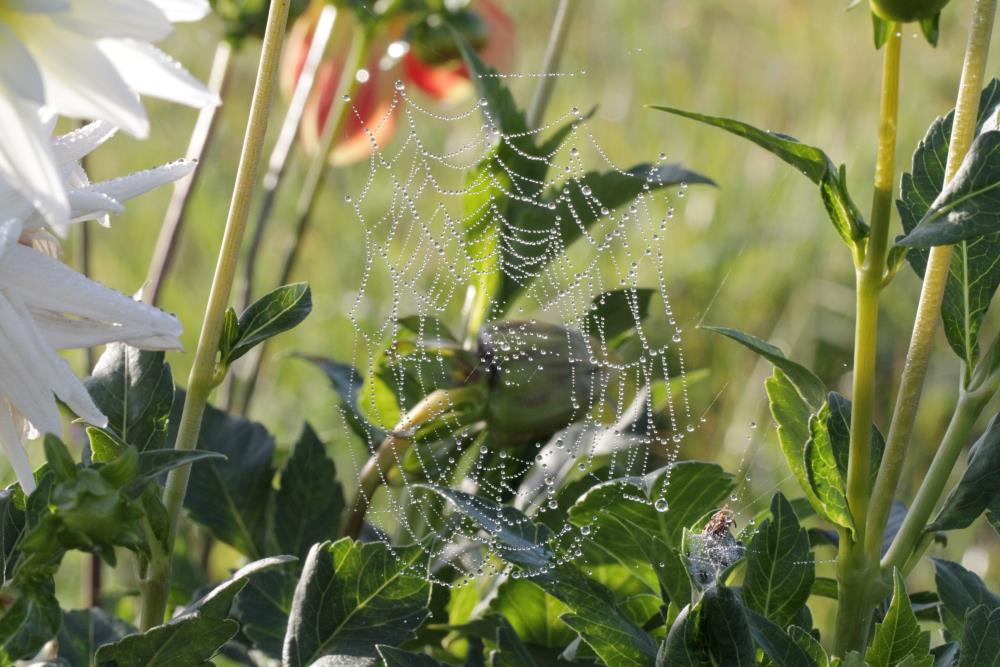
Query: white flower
x,y
83,59
45,306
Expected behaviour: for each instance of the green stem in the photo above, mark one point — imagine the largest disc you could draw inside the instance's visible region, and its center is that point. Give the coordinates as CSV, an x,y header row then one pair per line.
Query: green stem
x,y
935,279
202,378
955,439
553,53
394,447
855,571
283,147
346,89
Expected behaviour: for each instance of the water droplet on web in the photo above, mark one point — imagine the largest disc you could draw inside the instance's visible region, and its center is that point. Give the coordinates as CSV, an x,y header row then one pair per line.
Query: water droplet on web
x,y
661,505
400,85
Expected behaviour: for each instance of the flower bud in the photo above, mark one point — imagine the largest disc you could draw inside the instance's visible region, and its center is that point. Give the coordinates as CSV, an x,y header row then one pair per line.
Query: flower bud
x,y
541,378
905,11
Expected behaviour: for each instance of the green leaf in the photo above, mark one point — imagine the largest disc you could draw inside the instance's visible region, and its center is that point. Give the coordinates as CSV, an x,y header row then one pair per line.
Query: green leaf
x,y
310,503
277,311
880,30
135,390
776,643
809,160
931,28
969,206
510,651
898,636
978,487
190,641
960,591
824,471
263,606
974,274
527,544
780,567
574,215
532,613
614,314
231,498
83,631
791,413
810,645
725,630
682,648
194,635
394,657
11,529
981,645
838,426
353,596
33,619
347,383
154,463
810,388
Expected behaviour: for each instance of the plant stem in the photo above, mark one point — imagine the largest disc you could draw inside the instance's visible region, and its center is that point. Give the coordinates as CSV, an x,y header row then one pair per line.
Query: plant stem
x,y
553,53
955,439
203,378
935,278
346,88
201,137
278,162
855,571
393,448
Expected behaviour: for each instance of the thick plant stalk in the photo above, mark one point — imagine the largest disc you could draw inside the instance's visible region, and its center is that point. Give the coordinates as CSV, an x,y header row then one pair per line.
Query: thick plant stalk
x,y
955,439
855,572
201,138
285,143
391,451
553,54
203,371
346,88
935,279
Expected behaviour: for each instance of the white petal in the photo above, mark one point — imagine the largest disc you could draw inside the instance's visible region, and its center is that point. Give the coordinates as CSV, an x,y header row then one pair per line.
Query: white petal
x,y
53,286
73,146
80,81
13,447
23,373
10,233
66,333
138,19
18,68
183,10
26,161
126,187
152,72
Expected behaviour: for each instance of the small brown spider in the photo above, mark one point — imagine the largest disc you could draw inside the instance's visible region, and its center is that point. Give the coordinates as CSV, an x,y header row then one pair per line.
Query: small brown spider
x,y
720,522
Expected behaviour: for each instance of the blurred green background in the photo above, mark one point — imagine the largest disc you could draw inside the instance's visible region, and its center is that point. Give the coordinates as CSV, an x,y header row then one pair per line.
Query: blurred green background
x,y
757,254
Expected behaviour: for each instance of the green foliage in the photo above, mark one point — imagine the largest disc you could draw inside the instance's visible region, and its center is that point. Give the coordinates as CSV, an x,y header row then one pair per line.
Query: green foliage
x,y
981,645
780,566
974,275
812,162
192,636
779,646
614,314
978,487
83,631
135,391
352,597
310,503
277,311
960,592
898,637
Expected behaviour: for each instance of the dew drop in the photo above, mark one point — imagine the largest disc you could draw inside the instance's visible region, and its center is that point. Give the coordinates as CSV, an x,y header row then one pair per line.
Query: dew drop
x,y
661,505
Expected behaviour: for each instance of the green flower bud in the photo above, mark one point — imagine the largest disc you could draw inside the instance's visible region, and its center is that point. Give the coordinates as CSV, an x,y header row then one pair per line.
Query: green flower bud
x,y
540,378
91,508
905,11
245,18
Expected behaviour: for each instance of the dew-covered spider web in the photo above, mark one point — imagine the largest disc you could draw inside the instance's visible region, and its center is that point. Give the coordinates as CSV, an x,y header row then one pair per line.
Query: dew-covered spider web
x,y
514,338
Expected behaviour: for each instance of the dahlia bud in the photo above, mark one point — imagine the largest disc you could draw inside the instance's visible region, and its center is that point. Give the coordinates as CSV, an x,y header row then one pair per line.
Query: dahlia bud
x,y
541,378
905,11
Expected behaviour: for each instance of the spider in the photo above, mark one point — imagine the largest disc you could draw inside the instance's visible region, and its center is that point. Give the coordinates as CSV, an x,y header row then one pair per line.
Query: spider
x,y
720,522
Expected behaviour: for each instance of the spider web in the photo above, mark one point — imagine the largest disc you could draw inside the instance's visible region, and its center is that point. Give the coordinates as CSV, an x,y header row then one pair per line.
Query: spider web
x,y
584,330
